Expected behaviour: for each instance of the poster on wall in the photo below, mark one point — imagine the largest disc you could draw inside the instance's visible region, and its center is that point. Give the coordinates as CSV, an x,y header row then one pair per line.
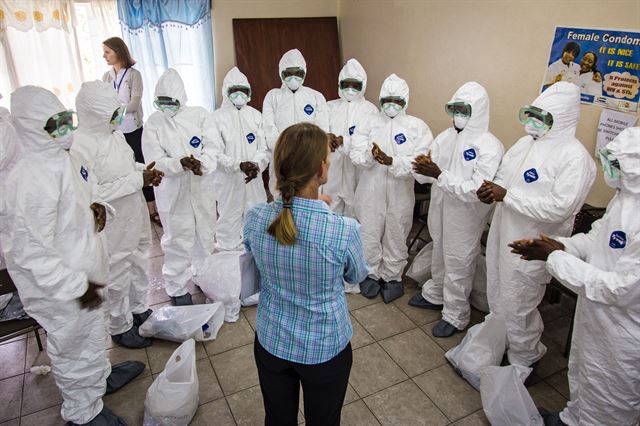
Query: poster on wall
x,y
604,63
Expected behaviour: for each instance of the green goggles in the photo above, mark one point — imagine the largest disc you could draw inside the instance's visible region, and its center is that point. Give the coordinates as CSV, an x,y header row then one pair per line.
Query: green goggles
x,y
292,72
458,109
351,83
610,164
118,116
163,103
398,100
539,118
242,89
62,123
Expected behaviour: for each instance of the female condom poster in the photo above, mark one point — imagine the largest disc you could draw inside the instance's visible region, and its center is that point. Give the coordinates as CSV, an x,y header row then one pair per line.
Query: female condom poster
x,y
605,64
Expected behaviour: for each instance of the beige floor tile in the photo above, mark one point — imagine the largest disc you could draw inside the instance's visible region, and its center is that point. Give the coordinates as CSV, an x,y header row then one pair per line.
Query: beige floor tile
x,y
155,250
40,392
213,413
360,336
357,414
247,406
236,369
230,336
373,370
128,402
49,417
414,352
382,320
357,301
34,355
155,266
10,397
417,315
404,404
208,383
250,314
476,419
120,354
560,383
13,355
159,353
552,362
156,293
450,392
445,343
545,396
14,422
351,395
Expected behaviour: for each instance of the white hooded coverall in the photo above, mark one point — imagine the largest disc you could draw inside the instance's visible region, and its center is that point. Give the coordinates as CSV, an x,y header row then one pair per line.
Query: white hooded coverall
x,y
603,268
119,182
186,203
242,139
547,181
52,250
283,107
343,119
456,217
384,197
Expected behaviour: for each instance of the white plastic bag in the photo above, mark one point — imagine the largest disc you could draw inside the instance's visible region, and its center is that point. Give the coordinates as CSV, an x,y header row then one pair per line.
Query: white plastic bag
x,y
483,346
420,269
172,398
478,296
219,279
505,400
180,323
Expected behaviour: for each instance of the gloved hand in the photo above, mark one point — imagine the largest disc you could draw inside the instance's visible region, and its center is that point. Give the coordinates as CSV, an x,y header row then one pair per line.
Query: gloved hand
x,y
490,192
99,216
424,165
151,176
380,156
192,164
250,169
536,249
91,298
335,141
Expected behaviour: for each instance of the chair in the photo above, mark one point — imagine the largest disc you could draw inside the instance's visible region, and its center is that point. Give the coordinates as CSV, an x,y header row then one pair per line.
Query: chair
x,y
14,328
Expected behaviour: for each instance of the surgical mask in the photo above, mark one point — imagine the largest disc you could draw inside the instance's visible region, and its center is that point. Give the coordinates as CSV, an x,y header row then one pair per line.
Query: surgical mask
x,y
535,128
239,99
65,141
293,82
610,167
349,94
391,109
460,121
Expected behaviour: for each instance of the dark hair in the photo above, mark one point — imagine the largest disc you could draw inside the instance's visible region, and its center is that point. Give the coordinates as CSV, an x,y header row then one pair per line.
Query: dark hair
x,y
297,158
572,47
121,50
594,67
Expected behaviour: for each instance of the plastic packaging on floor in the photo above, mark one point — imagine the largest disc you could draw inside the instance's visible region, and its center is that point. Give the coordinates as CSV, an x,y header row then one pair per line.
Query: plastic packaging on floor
x,y
219,279
180,323
483,346
172,398
478,296
505,400
420,269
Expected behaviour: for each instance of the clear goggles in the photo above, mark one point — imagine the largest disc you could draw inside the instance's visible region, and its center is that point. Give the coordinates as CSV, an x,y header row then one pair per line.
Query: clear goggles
x,y
166,103
351,83
535,116
458,109
292,72
118,115
62,123
242,89
610,164
398,100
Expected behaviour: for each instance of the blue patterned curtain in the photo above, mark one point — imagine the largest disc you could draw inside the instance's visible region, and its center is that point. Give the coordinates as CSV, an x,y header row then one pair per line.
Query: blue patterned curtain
x,y
175,34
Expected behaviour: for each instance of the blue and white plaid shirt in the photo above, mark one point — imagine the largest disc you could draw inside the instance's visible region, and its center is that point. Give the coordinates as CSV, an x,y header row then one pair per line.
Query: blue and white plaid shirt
x,y
303,315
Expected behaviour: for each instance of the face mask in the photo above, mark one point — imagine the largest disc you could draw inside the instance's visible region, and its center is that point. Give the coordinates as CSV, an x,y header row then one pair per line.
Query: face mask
x,y
391,109
349,94
293,82
535,128
239,99
65,141
460,121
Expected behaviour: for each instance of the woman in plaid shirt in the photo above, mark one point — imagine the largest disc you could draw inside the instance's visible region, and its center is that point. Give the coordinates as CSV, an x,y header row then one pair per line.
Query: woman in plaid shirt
x,y
304,253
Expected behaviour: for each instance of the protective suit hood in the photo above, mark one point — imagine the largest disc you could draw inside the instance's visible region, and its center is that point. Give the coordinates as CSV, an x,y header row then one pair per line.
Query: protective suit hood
x,y
562,100
170,84
96,102
476,96
233,78
625,148
395,86
353,69
292,59
31,107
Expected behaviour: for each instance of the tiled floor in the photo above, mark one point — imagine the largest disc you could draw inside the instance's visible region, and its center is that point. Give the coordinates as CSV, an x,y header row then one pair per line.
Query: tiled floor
x,y
399,374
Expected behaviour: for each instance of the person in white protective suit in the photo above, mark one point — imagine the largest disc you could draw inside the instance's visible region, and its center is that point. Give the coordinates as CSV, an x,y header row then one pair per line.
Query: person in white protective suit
x,y
384,147
119,182
292,103
603,268
177,139
50,225
344,115
460,160
9,154
541,185
241,157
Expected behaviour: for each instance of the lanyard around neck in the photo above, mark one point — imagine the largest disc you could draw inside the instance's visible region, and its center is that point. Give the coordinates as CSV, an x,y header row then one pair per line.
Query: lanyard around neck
x,y
117,88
